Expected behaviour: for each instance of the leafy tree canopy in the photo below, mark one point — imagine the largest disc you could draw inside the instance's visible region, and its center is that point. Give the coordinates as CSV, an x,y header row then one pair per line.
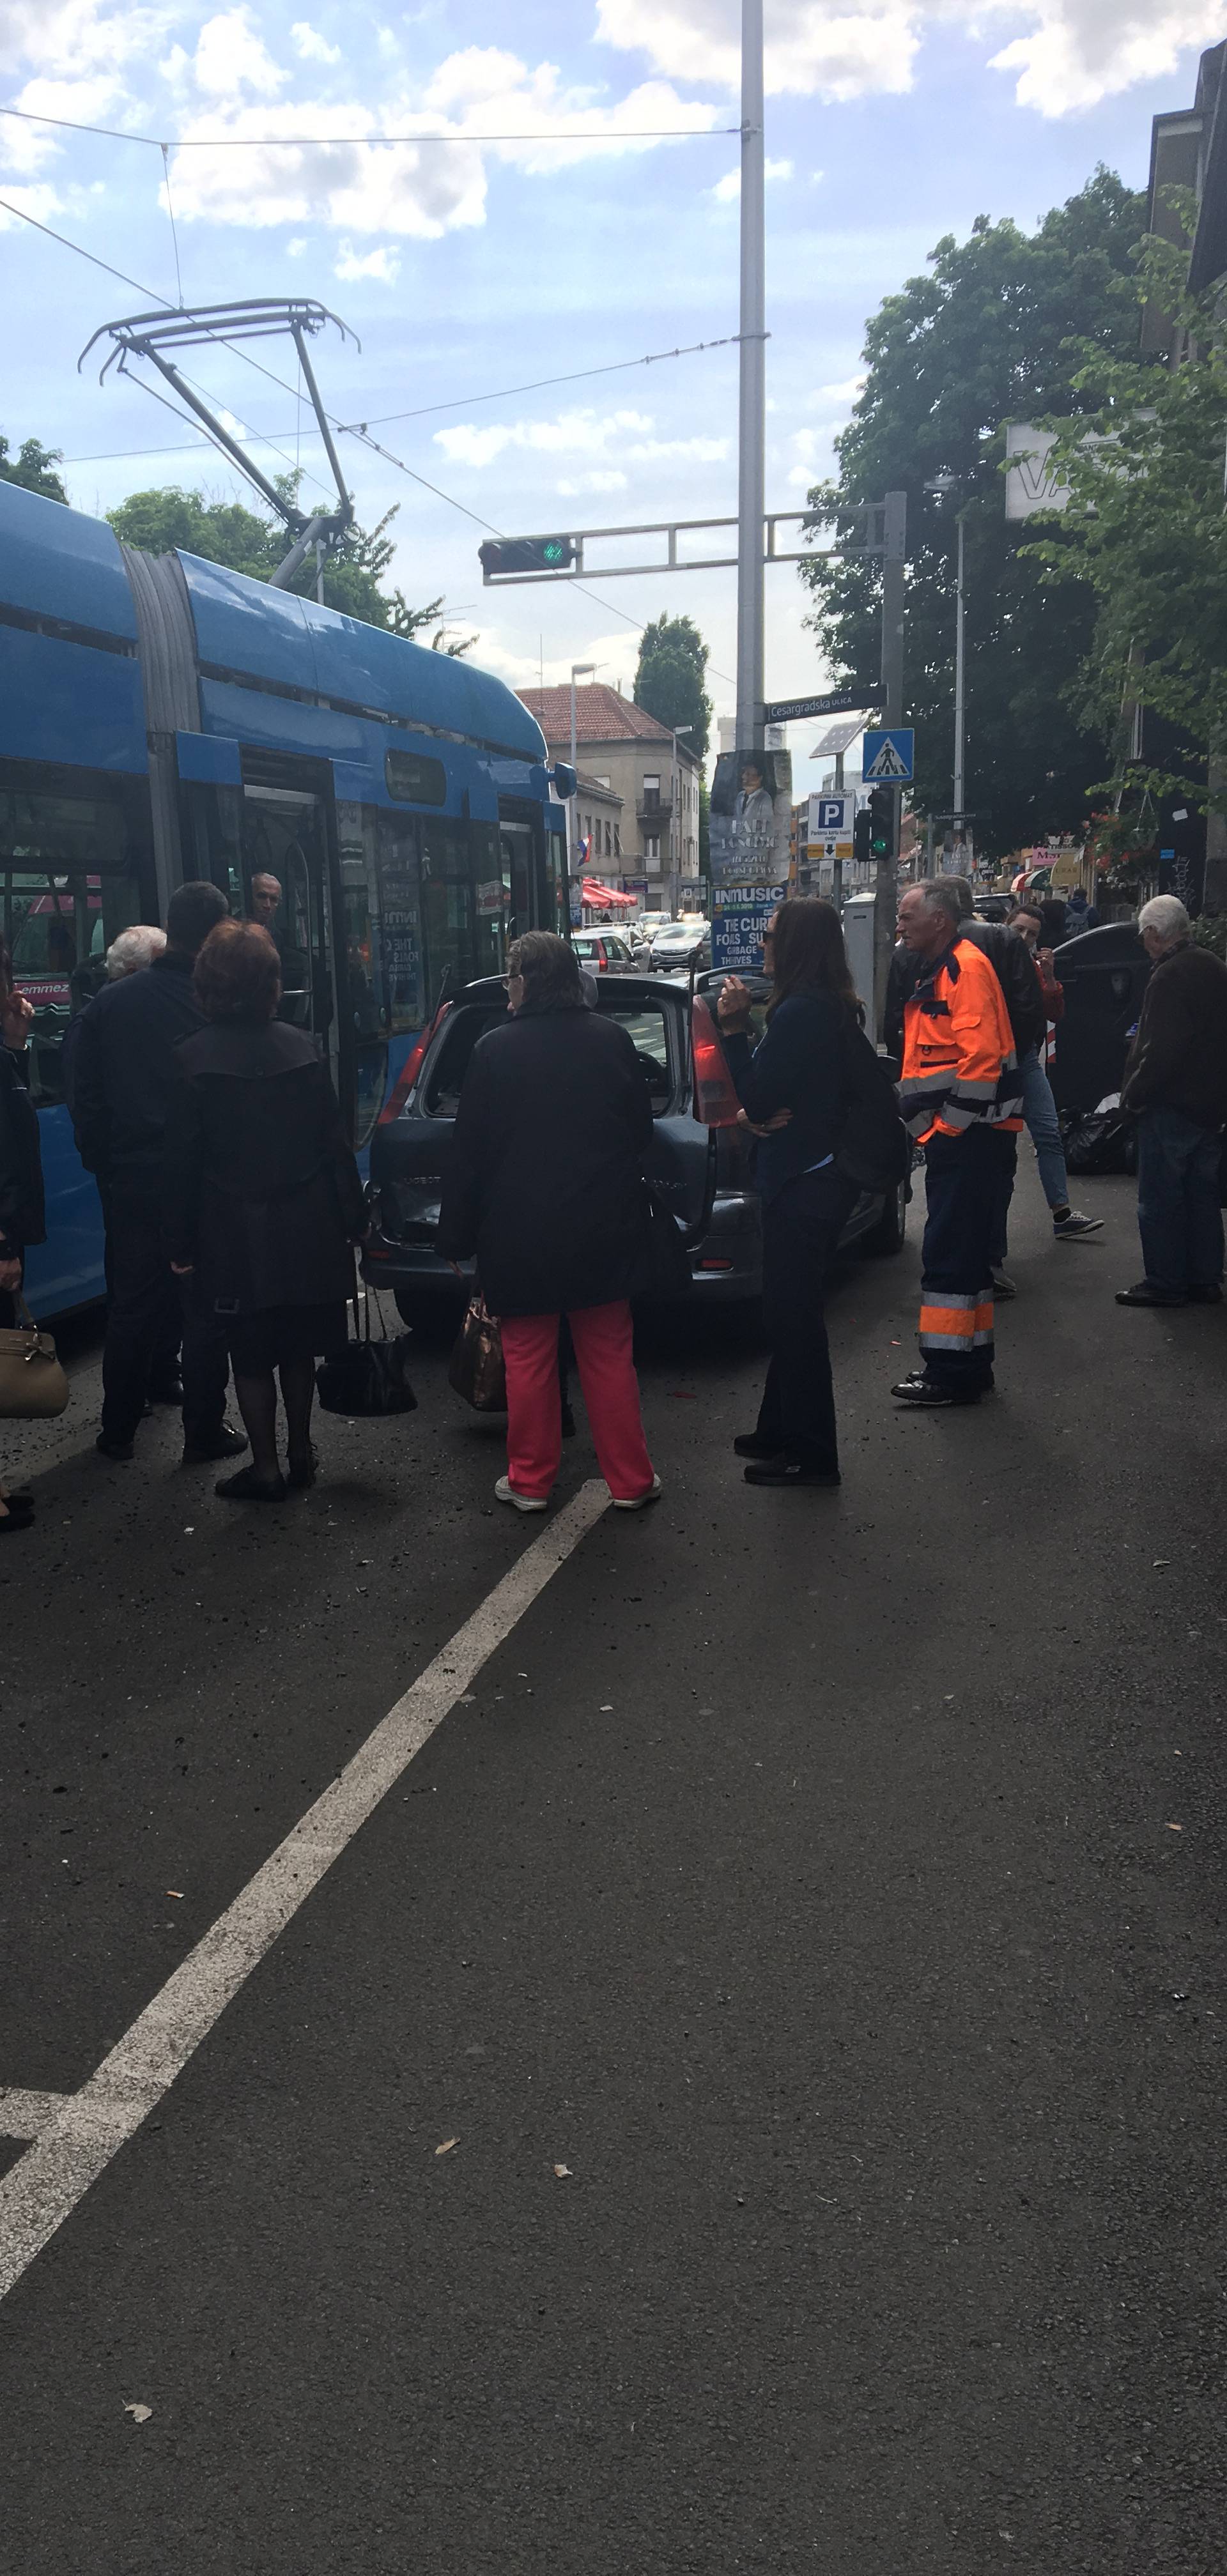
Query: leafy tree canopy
x,y
32,468
227,532
987,336
670,678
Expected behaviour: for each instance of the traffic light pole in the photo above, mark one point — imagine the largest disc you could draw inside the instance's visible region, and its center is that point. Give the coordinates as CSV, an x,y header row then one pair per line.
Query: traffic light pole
x,y
752,388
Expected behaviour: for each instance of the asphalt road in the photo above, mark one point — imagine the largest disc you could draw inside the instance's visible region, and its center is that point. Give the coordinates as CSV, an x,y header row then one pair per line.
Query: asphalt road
x,y
831,1884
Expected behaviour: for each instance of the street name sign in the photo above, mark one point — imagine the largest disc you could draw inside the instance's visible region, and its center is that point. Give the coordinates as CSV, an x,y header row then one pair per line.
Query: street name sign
x,y
837,702
889,757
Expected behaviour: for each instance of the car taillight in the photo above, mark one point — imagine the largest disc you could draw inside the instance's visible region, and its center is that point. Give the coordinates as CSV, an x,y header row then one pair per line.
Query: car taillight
x,y
715,1096
410,1070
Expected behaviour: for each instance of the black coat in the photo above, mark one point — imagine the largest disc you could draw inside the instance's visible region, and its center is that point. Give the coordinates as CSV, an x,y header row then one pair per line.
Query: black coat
x,y
22,1215
545,1177
123,1065
1178,1059
261,1190
800,1064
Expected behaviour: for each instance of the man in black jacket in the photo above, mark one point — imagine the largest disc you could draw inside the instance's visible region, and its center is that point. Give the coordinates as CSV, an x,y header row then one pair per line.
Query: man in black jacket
x,y
1176,1080
123,1072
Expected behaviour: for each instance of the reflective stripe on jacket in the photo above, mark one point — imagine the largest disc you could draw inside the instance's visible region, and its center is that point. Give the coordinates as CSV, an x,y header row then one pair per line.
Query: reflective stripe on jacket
x,y
959,1065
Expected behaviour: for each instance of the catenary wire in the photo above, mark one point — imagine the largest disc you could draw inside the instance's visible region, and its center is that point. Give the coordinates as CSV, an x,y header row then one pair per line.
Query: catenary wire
x,y
329,142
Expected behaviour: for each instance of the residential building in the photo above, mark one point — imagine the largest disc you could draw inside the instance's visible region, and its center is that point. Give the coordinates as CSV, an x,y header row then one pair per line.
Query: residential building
x,y
597,826
650,783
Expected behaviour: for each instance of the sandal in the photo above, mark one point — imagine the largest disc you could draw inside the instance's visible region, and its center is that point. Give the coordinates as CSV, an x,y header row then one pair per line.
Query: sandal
x,y
247,1487
302,1474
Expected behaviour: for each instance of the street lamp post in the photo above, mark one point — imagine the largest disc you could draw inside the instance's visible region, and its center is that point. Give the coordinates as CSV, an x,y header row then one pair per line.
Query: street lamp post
x,y
943,484
675,837
579,671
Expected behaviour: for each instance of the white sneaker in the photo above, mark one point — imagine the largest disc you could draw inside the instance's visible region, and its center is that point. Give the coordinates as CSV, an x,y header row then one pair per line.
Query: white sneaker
x,y
636,1502
506,1493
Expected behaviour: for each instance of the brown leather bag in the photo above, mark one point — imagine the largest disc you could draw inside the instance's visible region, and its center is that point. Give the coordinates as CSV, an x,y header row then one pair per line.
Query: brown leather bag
x,y
33,1387
477,1372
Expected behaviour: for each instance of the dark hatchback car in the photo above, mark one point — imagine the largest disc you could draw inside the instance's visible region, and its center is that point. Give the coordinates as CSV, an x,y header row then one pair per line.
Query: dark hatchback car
x,y
700,1162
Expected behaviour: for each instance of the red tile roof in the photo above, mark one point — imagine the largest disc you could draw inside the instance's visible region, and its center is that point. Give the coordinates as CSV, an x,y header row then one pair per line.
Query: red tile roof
x,y
601,715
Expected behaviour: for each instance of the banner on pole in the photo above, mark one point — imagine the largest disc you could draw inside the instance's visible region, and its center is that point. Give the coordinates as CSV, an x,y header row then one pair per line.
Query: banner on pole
x,y
751,816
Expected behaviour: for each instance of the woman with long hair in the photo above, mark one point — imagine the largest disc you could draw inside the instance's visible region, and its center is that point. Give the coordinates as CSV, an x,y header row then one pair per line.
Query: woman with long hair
x,y
264,1201
792,1090
21,1184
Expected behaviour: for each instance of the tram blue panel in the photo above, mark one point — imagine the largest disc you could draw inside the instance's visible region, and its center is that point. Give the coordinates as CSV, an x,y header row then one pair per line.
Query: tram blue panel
x,y
60,563
280,724
353,660
66,1270
67,702
246,626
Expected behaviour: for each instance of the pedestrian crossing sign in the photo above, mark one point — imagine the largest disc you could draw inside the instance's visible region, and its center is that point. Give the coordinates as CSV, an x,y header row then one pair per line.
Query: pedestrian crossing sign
x,y
889,757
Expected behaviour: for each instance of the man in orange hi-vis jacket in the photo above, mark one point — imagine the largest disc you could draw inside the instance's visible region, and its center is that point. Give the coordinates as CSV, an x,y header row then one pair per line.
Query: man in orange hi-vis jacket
x,y
961,1097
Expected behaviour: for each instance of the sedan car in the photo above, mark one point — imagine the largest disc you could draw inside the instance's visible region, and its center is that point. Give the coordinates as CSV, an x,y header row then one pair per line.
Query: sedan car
x,y
700,1163
684,944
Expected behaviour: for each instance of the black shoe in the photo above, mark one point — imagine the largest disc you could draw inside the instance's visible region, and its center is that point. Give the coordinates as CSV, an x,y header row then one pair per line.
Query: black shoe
x,y
789,1471
222,1443
246,1487
1208,1294
748,1445
115,1450
925,1391
168,1390
302,1475
568,1423
1003,1288
1142,1294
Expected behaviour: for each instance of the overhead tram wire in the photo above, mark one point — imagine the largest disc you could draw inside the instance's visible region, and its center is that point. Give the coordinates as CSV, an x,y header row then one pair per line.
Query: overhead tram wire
x,y
376,142
350,430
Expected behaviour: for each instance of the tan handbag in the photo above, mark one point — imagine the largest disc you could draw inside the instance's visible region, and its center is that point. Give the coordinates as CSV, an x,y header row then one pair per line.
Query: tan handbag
x,y
33,1387
477,1372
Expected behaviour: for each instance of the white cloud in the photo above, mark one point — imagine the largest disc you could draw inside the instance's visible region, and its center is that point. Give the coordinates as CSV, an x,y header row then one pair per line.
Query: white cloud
x,y
231,56
728,189
311,46
383,263
626,436
294,249
1073,53
40,200
582,483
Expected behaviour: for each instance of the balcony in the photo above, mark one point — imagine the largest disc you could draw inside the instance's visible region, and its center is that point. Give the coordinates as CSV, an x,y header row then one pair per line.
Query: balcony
x,y
652,818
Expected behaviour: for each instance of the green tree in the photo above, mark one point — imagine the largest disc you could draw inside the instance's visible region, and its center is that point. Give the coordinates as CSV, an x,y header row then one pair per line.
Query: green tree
x,y
669,681
988,336
32,468
245,540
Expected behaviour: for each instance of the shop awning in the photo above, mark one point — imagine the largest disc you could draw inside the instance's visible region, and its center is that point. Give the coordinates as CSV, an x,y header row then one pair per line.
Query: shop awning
x,y
594,893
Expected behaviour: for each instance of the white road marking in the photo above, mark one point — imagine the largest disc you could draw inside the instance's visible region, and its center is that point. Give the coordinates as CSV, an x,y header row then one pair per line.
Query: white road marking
x,y
86,2129
25,2115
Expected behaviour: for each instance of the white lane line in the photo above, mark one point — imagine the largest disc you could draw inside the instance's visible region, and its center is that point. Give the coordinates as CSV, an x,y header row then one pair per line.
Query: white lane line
x,y
89,2127
24,2114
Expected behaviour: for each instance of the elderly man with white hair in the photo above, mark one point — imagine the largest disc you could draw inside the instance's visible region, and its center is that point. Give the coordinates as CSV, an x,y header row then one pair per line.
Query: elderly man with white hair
x,y
133,950
1176,1082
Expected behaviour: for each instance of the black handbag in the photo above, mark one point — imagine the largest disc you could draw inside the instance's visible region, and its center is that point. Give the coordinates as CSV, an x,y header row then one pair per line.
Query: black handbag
x,y
368,1377
663,1267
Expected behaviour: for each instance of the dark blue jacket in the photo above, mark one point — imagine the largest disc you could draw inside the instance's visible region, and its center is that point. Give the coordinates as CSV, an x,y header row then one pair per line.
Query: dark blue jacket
x,y
123,1068
800,1064
22,1215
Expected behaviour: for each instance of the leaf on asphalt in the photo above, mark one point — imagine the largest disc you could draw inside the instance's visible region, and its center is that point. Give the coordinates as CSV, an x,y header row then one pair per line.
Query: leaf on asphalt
x,y
174,1891
1175,1829
564,2172
446,2148
139,2414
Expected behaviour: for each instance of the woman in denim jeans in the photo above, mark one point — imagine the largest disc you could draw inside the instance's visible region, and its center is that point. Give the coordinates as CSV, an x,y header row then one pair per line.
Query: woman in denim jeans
x,y
1039,1107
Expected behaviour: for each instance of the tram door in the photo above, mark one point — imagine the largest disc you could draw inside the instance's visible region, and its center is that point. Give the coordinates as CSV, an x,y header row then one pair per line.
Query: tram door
x,y
530,899
283,836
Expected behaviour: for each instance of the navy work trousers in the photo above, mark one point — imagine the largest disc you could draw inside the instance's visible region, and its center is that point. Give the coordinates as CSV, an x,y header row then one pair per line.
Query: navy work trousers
x,y
148,1311
965,1180
1179,1217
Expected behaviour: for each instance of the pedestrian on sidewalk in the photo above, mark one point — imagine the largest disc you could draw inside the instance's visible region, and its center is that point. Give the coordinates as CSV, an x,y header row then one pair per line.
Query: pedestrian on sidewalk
x,y
544,1184
124,1072
22,1215
263,1199
792,1089
961,1098
1176,1081
1039,1107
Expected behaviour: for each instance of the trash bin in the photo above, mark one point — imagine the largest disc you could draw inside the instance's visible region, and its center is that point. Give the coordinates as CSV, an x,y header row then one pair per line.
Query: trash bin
x,y
1103,974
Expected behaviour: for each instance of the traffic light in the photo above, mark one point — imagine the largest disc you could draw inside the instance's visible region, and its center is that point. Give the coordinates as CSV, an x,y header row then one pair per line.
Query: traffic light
x,y
882,823
525,554
862,836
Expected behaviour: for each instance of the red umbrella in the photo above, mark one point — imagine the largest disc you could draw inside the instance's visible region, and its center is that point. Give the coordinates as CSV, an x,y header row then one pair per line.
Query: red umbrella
x,y
594,893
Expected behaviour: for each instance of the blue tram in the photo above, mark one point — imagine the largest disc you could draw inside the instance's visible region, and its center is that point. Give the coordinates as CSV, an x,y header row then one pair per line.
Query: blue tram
x,y
161,718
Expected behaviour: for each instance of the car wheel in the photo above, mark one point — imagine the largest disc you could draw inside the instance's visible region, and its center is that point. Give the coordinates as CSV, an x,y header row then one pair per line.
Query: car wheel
x,y
889,1232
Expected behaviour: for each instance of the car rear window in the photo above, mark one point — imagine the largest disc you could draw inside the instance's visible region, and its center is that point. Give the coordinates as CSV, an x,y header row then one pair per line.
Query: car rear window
x,y
647,1025
461,1031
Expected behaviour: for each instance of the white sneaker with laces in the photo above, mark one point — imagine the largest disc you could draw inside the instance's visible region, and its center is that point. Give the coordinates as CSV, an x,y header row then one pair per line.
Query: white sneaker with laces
x,y
506,1493
636,1502
1066,1227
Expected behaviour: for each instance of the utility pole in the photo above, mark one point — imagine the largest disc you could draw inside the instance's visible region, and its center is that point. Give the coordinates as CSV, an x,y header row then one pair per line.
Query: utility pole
x,y
675,830
885,906
578,672
752,394
959,688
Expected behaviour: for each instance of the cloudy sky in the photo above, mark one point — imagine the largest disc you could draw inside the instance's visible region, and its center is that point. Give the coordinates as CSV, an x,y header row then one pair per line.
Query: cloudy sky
x,y
471,268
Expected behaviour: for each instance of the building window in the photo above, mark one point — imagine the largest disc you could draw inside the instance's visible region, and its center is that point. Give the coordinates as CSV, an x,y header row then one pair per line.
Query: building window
x,y
652,849
617,850
608,842
651,795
